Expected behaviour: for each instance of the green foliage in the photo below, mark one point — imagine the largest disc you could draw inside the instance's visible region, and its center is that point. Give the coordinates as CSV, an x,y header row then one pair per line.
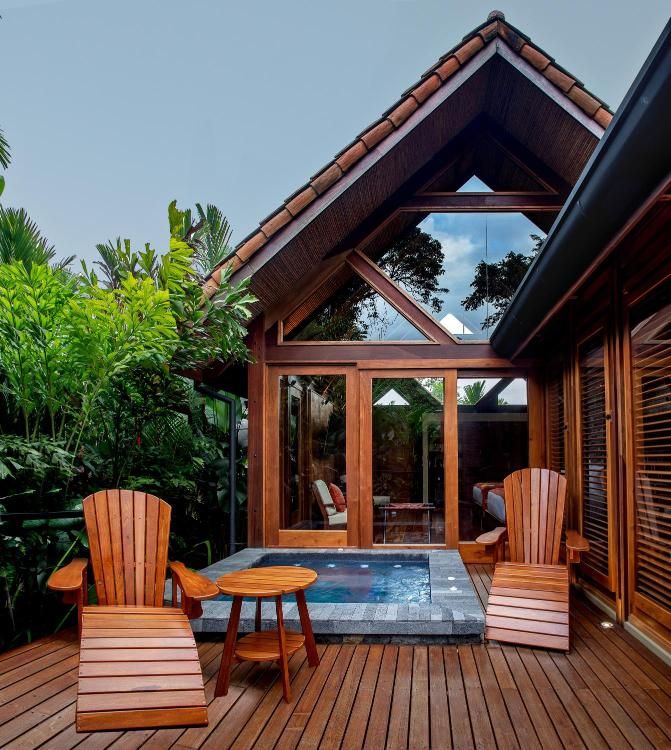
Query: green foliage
x,y
21,240
209,234
5,154
92,395
496,283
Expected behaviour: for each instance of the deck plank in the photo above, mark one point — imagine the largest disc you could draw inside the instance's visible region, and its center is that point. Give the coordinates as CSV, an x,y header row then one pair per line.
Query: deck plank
x,y
608,691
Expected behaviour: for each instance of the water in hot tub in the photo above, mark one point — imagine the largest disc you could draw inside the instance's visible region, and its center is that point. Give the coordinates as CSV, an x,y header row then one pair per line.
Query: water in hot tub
x,y
350,579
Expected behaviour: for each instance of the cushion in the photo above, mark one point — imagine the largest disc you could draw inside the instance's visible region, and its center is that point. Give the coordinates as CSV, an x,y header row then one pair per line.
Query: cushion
x,y
338,498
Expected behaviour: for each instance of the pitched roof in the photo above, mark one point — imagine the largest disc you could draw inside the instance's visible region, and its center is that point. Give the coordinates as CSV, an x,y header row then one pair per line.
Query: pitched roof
x,y
495,27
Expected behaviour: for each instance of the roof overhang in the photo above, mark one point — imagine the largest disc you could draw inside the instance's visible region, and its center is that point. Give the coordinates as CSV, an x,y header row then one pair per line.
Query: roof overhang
x,y
496,82
628,173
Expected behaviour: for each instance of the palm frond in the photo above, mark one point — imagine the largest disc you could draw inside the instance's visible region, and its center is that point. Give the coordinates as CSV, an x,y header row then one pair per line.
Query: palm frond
x,y
213,240
5,153
21,240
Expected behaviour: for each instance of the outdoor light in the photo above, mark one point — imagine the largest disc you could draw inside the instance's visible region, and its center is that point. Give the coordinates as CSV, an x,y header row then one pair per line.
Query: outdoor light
x,y
450,578
397,566
453,588
331,565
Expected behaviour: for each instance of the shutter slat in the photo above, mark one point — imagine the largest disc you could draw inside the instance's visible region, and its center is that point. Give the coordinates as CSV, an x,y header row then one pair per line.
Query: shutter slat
x,y
594,466
651,378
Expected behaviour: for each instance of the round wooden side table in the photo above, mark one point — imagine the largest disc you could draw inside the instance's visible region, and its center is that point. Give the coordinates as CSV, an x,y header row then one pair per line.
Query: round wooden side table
x,y
266,645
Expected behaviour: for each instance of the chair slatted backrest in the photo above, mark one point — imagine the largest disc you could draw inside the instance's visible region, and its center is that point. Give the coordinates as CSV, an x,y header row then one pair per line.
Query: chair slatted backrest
x,y
535,500
128,535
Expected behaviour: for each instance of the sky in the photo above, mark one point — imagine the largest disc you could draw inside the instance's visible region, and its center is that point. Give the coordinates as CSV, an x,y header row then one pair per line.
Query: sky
x,y
113,108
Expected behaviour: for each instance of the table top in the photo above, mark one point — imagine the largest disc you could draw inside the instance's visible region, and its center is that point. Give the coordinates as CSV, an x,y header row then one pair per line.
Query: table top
x,y
408,506
271,581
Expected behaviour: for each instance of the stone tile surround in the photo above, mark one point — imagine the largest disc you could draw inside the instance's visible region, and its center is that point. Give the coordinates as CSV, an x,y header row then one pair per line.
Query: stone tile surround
x,y
453,615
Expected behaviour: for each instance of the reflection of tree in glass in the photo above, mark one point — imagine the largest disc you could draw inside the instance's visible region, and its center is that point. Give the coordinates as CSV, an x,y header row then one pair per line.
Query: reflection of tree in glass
x,y
415,261
473,393
496,283
355,311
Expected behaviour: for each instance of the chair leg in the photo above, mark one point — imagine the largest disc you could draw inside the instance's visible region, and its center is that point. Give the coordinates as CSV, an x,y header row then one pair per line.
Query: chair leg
x,y
229,648
284,661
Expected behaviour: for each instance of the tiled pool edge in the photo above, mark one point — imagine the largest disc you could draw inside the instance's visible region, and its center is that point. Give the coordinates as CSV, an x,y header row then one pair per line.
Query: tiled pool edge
x,y
454,613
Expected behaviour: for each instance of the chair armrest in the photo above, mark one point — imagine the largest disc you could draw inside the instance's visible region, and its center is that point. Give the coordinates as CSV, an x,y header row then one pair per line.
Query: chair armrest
x,y
576,542
492,537
69,578
194,586
73,582
493,541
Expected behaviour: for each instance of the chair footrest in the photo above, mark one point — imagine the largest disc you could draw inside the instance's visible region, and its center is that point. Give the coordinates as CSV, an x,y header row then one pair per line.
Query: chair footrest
x,y
529,605
139,669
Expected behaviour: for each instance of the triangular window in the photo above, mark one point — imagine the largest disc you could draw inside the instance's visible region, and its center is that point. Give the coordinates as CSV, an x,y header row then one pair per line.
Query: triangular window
x,y
353,312
474,185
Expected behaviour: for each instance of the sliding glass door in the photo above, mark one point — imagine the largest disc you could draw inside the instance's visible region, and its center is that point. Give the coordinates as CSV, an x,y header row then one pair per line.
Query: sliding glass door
x,y
408,460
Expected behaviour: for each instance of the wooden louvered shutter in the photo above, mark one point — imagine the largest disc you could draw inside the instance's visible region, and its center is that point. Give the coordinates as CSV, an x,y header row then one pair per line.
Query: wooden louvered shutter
x,y
651,385
556,421
594,458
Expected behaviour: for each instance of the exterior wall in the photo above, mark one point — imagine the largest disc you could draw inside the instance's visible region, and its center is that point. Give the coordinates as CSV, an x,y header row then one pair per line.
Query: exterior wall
x,y
360,362
602,305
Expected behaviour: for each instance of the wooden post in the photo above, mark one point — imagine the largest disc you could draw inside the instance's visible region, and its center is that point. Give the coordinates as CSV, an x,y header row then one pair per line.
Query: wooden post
x,y
256,380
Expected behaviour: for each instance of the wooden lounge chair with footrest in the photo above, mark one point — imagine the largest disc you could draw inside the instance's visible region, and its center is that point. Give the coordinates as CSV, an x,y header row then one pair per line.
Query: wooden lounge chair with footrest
x,y
529,598
138,663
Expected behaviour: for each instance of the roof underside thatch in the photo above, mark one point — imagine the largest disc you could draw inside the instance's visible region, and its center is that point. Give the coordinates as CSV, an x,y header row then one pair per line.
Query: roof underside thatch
x,y
494,81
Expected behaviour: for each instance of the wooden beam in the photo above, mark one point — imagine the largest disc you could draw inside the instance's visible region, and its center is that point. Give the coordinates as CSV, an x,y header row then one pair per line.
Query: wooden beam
x,y
480,202
398,298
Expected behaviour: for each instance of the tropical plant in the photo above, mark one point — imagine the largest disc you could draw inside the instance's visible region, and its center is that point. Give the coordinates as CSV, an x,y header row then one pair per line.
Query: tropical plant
x,y
208,233
5,158
21,240
93,396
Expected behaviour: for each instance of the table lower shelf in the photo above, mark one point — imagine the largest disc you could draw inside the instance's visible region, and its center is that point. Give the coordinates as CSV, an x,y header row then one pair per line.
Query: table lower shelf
x,y
265,645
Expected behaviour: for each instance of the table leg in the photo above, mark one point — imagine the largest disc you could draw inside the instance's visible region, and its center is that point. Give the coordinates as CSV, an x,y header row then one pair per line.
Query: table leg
x,y
284,661
306,627
229,648
257,618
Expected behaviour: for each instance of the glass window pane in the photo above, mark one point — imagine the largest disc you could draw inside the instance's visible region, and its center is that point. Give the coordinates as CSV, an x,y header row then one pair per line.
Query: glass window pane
x,y
354,312
462,267
313,471
408,461
493,442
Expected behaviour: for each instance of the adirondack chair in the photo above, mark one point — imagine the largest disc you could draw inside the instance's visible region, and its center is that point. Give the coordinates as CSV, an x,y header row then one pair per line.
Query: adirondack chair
x,y
529,598
139,665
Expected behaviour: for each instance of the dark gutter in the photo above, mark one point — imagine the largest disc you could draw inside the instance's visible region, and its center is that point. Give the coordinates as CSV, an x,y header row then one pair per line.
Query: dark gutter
x,y
631,162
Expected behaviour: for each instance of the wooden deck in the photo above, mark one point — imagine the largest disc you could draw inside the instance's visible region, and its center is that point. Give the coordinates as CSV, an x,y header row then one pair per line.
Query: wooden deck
x,y
610,691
